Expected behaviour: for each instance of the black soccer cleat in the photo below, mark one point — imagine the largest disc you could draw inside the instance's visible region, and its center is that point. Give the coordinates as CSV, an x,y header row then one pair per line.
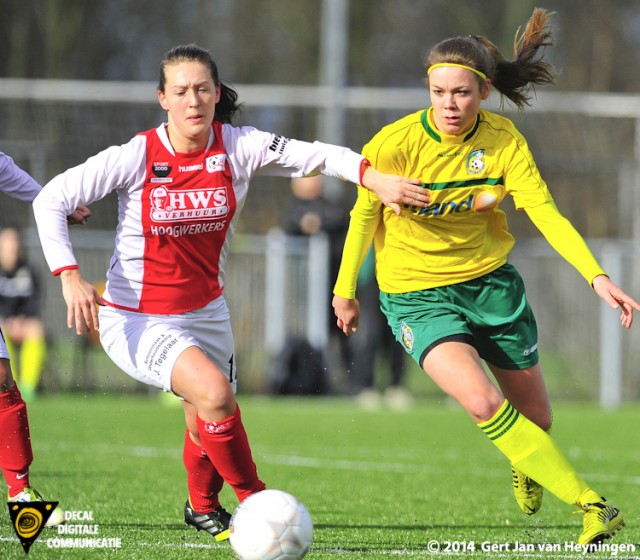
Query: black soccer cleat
x,y
215,522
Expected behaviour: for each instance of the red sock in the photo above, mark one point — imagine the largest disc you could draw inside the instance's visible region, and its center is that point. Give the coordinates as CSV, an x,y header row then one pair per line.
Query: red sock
x,y
203,480
227,446
15,442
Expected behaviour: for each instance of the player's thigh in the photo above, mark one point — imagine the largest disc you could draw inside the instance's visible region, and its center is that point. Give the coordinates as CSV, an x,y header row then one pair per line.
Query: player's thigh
x,y
457,369
421,320
145,347
148,347
526,390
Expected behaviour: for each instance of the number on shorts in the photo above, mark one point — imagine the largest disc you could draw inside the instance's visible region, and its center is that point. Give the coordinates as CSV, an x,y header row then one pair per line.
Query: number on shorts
x,y
231,369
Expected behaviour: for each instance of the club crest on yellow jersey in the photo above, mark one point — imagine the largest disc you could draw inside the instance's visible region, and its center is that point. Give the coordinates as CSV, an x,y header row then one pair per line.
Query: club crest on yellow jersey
x,y
475,162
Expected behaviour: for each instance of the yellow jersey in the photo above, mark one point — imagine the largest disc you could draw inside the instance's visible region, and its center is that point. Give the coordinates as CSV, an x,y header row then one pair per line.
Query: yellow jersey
x,y
462,234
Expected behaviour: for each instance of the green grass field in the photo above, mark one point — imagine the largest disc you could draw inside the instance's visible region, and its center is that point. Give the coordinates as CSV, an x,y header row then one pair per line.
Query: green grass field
x,y
377,484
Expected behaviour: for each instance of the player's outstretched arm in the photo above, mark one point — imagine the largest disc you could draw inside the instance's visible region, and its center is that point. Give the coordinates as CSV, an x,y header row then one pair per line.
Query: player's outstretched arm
x,y
348,313
81,298
394,190
616,298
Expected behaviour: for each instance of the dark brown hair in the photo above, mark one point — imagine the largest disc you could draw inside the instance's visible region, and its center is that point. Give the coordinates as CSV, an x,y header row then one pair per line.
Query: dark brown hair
x,y
513,79
228,105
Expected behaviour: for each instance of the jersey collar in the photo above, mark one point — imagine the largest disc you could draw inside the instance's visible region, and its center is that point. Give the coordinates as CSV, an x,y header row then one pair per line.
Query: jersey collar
x,y
430,128
164,138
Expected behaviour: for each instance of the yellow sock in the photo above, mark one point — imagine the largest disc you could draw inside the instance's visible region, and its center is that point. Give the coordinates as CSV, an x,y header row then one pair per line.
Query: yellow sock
x,y
532,450
32,355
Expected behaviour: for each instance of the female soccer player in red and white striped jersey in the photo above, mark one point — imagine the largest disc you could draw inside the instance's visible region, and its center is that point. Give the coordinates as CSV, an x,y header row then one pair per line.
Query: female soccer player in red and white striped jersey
x,y
163,318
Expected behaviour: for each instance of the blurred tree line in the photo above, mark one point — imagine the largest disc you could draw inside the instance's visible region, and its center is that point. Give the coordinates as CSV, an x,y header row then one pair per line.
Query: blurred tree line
x,y
277,42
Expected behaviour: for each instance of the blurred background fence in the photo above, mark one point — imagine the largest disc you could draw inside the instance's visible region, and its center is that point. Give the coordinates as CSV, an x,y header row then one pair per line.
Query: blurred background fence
x,y
277,290
586,147
54,113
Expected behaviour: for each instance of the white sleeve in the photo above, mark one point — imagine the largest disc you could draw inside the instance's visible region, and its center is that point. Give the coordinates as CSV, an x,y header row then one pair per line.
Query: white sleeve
x,y
15,182
117,167
269,154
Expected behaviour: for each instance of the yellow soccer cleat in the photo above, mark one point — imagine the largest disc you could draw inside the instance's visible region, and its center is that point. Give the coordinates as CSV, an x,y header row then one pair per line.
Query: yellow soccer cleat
x,y
32,495
601,521
528,492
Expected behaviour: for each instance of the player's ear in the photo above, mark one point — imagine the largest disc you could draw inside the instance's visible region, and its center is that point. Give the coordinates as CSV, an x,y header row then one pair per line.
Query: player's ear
x,y
485,89
162,99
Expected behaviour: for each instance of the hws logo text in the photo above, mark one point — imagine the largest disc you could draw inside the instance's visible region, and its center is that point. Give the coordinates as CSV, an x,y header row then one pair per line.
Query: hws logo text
x,y
188,205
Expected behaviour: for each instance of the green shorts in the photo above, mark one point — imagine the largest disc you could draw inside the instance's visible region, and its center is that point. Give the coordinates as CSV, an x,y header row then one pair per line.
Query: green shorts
x,y
491,313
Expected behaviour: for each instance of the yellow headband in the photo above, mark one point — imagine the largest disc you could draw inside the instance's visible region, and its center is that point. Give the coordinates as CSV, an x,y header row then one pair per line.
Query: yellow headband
x,y
441,64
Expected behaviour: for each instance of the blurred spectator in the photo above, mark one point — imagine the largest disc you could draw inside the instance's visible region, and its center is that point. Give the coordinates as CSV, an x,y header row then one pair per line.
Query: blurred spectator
x,y
308,212
20,314
374,339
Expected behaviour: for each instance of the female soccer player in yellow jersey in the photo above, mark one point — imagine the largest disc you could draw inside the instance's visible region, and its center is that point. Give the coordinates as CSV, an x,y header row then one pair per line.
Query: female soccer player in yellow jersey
x,y
447,290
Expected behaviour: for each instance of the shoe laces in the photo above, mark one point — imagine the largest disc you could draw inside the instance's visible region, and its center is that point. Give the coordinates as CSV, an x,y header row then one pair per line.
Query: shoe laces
x,y
598,513
524,483
222,515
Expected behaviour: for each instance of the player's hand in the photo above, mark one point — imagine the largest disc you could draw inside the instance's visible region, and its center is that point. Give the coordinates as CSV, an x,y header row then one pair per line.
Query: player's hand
x,y
81,298
348,313
616,298
396,191
79,216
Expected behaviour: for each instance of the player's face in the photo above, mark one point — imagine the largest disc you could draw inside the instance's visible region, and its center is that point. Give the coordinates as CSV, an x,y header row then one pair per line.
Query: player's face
x,y
455,95
190,98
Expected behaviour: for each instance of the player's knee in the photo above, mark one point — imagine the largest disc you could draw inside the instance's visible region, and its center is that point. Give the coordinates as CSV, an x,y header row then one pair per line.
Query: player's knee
x,y
539,413
544,418
194,435
216,400
482,407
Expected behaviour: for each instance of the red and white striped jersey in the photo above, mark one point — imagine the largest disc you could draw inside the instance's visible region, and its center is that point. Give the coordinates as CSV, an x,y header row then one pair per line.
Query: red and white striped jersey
x,y
177,212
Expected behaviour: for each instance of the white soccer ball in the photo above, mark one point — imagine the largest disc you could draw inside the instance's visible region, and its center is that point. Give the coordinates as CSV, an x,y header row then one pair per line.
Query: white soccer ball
x,y
271,525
